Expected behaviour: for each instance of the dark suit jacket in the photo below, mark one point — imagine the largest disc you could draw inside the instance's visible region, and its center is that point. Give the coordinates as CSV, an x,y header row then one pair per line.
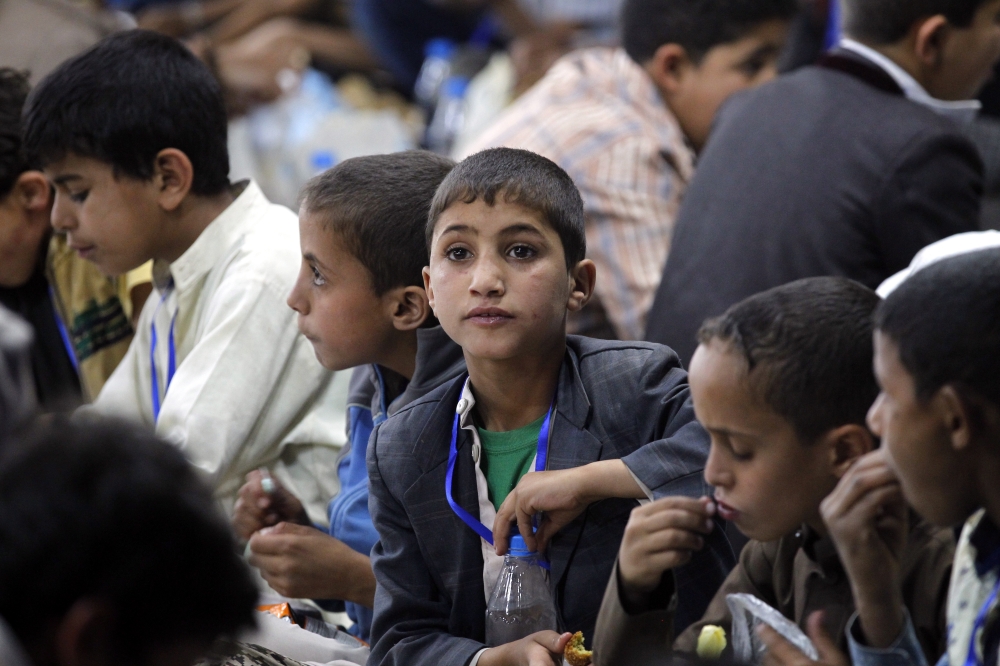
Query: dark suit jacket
x,y
821,172
615,400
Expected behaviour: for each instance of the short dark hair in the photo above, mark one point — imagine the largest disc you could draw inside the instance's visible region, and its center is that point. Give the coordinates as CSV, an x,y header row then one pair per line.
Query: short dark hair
x,y
14,89
945,321
808,347
104,509
888,21
123,101
697,25
520,177
378,205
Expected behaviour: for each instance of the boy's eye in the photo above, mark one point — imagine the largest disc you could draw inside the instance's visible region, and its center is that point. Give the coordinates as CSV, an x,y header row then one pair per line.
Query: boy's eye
x,y
457,253
522,252
79,197
751,68
318,280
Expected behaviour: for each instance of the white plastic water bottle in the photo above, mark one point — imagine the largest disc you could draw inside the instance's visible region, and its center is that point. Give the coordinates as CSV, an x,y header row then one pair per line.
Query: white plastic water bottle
x,y
521,603
449,116
438,54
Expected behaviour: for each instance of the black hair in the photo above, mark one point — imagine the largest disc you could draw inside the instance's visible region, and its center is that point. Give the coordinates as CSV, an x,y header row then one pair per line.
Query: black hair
x,y
104,509
808,347
14,89
124,100
888,21
697,25
378,205
945,321
519,177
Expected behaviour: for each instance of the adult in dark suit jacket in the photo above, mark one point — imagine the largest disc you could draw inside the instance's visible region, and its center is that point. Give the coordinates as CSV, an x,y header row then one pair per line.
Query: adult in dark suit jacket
x,y
615,400
826,171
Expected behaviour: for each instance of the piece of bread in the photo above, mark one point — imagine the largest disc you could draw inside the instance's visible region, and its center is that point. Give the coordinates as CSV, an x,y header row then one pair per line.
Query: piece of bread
x,y
575,653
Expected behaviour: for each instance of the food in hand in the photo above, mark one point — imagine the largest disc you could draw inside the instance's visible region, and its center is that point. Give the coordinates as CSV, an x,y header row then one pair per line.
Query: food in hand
x,y
711,642
575,653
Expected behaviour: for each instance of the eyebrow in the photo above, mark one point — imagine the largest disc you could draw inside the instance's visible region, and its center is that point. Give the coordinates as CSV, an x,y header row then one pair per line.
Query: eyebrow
x,y
731,433
506,231
61,180
311,258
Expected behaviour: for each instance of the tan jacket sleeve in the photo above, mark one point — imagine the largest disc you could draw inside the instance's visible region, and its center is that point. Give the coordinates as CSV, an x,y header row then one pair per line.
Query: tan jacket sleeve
x,y
622,637
754,574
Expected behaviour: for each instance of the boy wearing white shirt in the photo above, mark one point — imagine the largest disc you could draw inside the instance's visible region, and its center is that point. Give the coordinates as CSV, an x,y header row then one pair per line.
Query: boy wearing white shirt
x,y
132,133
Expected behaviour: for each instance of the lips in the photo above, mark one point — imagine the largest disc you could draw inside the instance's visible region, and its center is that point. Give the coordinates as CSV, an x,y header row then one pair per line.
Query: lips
x,y
83,250
489,316
725,511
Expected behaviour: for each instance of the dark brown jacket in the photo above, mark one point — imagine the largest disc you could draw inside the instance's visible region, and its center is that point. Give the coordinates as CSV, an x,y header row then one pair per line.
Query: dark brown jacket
x,y
797,574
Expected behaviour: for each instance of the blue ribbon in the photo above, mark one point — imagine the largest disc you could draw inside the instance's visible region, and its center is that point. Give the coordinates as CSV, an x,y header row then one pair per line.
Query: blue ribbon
x,y
63,333
541,458
972,659
171,359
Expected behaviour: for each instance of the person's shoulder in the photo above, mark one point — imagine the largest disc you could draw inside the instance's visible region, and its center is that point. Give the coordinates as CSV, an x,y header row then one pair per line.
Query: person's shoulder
x,y
425,422
620,355
927,543
266,248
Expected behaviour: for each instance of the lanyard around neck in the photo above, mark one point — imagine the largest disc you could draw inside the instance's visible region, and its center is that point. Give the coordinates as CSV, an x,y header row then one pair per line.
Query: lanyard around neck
x,y
980,625
541,458
171,359
63,333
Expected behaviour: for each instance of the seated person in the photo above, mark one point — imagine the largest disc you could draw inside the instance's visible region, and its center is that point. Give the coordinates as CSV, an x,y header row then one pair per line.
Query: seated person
x,y
361,302
782,382
82,319
107,533
507,264
626,124
936,360
836,169
133,135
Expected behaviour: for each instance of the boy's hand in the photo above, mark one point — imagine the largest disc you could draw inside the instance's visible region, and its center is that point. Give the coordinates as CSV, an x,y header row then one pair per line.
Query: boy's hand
x,y
562,495
782,653
302,562
867,518
542,649
256,509
660,536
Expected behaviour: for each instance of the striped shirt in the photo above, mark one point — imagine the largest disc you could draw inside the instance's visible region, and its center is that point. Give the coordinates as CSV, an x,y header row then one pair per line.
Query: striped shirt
x,y
599,116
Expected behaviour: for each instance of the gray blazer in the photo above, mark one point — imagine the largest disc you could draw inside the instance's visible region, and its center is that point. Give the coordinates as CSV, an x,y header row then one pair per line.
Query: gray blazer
x,y
825,171
615,400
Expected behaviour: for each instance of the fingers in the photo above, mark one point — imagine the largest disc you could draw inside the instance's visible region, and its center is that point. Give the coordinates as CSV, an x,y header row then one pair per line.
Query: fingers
x,y
527,529
829,652
869,472
551,641
779,651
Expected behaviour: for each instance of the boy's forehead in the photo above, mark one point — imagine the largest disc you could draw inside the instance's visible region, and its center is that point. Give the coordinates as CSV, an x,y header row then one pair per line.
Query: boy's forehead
x,y
71,167
480,218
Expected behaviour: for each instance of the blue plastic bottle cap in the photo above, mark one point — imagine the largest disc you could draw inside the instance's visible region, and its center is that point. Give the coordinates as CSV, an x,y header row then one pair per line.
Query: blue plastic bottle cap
x,y
518,548
455,87
439,47
323,160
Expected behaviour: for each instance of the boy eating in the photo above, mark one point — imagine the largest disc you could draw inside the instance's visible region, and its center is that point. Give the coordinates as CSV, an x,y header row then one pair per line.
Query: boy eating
x,y
782,382
936,360
361,303
506,241
132,133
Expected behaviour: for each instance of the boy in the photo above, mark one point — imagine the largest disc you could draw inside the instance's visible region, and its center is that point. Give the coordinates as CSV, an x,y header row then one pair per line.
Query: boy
x,y
782,382
936,360
506,241
106,532
82,319
626,125
132,133
877,118
361,302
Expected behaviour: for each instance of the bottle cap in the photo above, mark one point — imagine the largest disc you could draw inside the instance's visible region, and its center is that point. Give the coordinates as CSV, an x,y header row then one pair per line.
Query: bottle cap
x,y
518,548
455,87
439,47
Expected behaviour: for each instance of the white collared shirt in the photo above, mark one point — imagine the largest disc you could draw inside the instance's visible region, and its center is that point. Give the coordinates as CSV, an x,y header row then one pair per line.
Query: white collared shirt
x,y
248,390
962,111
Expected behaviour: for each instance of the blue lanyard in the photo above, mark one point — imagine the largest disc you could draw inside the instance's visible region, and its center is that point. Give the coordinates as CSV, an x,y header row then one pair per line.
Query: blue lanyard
x,y
171,360
63,333
541,458
973,658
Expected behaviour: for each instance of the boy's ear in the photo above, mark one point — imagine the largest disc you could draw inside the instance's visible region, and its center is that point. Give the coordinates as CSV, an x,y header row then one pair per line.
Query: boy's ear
x,y
668,66
955,416
929,36
847,443
409,308
173,175
85,634
428,290
582,279
34,193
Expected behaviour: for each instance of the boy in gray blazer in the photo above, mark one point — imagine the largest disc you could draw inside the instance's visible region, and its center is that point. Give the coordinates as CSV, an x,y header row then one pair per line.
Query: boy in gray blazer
x,y
507,264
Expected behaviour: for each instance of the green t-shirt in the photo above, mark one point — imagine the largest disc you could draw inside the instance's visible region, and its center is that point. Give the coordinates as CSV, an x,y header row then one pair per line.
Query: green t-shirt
x,y
507,456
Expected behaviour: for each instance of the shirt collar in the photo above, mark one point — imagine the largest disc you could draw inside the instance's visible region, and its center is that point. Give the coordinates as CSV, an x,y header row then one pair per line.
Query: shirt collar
x,y
962,111
11,652
213,243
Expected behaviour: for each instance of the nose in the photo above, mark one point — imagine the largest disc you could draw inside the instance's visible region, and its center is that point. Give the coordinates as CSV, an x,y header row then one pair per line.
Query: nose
x,y
874,417
716,473
297,299
487,277
63,218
